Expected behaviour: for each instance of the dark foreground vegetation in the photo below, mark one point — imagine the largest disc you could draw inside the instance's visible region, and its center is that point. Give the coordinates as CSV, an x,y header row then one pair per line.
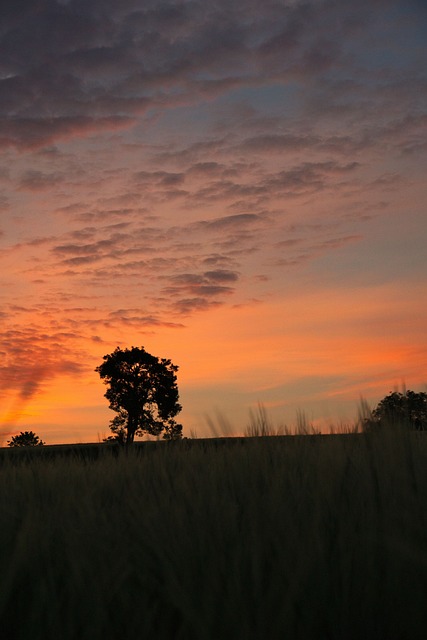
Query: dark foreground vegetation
x,y
305,537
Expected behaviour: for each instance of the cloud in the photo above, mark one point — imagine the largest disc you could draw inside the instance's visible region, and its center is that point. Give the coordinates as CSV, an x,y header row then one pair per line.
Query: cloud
x,y
74,69
38,181
187,293
159,178
134,318
299,252
32,133
31,359
217,260
204,285
189,306
225,223
271,142
221,275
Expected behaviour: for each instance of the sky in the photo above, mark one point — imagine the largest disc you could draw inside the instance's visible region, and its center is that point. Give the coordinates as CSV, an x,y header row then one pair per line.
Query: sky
x,y
239,186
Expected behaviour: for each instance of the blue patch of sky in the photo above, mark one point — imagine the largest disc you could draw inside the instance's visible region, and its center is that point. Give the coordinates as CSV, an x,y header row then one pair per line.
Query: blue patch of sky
x,y
187,122
191,122
392,40
271,99
381,256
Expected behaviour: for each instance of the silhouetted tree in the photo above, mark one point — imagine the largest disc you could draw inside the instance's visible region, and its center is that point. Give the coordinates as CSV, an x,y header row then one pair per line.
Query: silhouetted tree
x,y
25,439
143,391
407,409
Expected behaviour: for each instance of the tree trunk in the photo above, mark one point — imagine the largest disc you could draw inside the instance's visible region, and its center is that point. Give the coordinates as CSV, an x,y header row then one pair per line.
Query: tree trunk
x,y
131,428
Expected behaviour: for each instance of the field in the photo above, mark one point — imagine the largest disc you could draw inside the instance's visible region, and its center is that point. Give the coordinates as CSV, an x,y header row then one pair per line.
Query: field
x,y
306,537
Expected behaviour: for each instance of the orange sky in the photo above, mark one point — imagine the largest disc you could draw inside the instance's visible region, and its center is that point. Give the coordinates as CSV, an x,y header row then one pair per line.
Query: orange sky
x,y
244,197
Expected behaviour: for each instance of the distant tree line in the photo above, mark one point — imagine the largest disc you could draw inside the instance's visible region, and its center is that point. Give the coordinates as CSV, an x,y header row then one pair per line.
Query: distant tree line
x,y
406,410
25,439
143,391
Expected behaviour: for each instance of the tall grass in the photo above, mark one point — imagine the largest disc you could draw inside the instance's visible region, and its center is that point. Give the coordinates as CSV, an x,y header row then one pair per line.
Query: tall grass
x,y
304,537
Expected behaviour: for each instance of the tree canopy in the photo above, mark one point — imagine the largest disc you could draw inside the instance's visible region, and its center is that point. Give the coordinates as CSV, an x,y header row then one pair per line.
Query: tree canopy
x,y
143,391
407,409
25,439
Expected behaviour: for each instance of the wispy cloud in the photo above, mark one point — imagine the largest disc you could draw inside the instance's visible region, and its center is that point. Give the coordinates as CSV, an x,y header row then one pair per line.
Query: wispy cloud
x,y
30,362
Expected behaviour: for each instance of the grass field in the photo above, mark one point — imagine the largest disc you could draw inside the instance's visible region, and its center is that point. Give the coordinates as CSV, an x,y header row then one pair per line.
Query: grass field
x,y
271,538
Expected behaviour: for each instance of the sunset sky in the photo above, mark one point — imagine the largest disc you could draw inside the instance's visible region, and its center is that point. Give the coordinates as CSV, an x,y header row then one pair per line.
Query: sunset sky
x,y
237,185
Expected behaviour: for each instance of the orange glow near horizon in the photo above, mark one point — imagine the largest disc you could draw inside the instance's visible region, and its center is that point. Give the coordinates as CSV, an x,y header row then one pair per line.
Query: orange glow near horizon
x,y
267,352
